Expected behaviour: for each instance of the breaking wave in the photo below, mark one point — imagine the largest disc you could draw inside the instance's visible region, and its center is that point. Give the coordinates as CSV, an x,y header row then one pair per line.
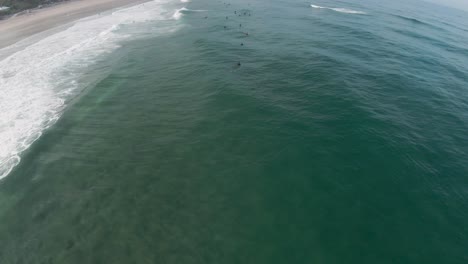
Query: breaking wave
x,y
341,10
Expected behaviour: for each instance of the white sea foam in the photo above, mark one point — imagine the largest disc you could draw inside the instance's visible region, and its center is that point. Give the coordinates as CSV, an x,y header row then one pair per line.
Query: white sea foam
x,y
338,9
37,81
185,1
180,12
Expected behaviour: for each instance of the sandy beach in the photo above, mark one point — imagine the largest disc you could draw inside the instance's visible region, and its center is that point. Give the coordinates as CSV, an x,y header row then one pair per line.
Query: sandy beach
x,y
22,26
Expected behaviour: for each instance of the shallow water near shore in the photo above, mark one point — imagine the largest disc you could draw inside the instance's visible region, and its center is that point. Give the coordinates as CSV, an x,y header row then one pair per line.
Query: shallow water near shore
x,y
340,138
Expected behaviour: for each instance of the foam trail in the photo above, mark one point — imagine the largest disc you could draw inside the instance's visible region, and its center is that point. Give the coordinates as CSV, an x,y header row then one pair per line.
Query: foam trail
x,y
316,6
37,82
341,10
185,1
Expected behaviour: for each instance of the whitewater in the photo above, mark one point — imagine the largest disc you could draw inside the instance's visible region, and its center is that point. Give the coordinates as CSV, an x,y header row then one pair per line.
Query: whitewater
x,y
339,9
38,81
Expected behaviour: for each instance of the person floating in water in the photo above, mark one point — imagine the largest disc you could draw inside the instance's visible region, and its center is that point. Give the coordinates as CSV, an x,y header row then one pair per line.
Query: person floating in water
x,y
242,44
237,65
240,25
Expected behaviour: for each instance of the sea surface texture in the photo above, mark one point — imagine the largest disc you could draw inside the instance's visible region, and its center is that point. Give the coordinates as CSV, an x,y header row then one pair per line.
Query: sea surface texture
x,y
263,132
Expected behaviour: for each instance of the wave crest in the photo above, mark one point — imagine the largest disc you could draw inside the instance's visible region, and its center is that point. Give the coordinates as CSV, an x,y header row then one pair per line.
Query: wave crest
x,y
182,11
339,9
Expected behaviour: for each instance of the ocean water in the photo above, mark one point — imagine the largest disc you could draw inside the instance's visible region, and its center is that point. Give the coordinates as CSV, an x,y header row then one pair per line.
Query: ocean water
x,y
239,132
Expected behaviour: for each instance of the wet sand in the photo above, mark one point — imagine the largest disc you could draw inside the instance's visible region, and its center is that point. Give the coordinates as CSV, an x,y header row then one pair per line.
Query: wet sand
x,y
36,21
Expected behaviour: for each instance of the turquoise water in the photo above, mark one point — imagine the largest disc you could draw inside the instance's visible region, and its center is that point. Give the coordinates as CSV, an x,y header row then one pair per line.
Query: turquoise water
x,y
340,138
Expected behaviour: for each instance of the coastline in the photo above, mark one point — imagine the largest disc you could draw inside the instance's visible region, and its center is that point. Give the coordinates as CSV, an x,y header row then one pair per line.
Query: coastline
x,y
20,27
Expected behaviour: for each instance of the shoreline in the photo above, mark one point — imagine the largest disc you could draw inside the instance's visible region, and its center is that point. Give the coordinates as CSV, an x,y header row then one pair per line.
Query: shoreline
x,y
20,27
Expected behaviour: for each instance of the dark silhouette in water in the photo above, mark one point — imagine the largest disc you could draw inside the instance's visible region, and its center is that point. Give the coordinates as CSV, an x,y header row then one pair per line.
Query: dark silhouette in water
x,y
240,25
227,17
236,66
242,44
